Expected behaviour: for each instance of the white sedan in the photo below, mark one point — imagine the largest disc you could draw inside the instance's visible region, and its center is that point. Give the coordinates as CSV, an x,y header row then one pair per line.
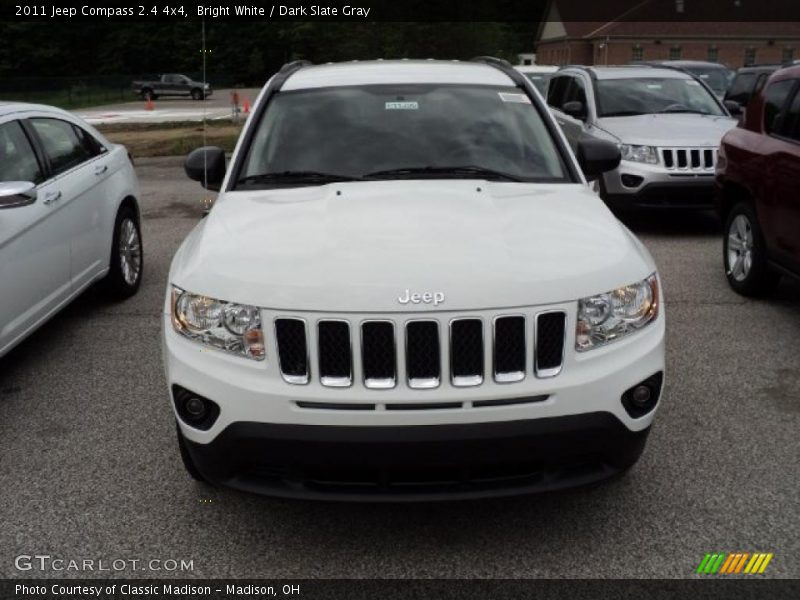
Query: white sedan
x,y
68,216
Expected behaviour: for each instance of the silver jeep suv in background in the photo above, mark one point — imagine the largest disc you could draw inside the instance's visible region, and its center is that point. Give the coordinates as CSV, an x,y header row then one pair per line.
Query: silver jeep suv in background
x,y
667,123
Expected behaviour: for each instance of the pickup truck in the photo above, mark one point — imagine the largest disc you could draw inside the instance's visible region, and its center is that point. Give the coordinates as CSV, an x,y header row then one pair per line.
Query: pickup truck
x,y
172,84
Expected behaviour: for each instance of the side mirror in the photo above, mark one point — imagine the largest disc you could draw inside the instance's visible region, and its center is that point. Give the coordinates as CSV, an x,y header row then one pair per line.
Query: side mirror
x,y
206,165
14,194
597,156
733,107
574,109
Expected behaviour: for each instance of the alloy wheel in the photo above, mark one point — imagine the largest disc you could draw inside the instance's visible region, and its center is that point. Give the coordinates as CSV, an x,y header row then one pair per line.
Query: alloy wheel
x,y
130,251
740,247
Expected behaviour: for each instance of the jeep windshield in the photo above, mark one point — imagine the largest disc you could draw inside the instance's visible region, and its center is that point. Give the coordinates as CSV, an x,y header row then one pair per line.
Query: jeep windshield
x,y
317,136
649,95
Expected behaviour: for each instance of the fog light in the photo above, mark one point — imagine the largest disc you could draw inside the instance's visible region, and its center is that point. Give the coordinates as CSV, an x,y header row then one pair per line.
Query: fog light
x,y
631,181
195,408
641,395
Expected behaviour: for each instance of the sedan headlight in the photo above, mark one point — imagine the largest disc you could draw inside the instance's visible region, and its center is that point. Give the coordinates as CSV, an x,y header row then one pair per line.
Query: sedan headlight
x,y
234,328
608,317
643,154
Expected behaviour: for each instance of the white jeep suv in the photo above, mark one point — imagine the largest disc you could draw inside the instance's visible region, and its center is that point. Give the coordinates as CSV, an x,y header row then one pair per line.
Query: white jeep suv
x,y
406,289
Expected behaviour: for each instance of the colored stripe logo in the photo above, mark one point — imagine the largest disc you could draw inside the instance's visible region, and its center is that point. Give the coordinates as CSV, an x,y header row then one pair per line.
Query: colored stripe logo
x,y
720,563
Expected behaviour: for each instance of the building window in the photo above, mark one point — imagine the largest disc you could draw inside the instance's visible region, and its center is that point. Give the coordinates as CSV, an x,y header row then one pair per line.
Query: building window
x,y
749,56
637,53
787,55
675,53
713,54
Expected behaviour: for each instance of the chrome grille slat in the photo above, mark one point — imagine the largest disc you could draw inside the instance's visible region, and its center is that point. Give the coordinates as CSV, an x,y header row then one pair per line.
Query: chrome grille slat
x,y
466,352
378,354
292,340
550,341
508,347
335,353
423,354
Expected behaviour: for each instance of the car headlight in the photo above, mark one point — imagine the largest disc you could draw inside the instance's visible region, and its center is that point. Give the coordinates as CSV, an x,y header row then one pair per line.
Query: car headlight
x,y
234,328
608,317
643,154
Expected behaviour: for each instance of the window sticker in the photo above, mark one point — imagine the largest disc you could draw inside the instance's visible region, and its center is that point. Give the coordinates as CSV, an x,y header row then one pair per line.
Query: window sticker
x,y
654,86
692,82
407,105
516,98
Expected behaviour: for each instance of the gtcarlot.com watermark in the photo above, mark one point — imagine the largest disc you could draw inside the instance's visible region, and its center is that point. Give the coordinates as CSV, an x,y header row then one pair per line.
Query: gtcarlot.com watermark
x,y
49,563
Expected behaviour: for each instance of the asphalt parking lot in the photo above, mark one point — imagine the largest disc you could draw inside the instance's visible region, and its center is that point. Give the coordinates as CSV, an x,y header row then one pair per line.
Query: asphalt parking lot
x,y
89,467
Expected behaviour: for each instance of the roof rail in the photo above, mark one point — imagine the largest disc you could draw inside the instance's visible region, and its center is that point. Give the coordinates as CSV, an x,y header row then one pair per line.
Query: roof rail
x,y
288,70
504,66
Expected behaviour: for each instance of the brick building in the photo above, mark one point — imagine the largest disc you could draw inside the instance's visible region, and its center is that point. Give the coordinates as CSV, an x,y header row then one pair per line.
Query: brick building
x,y
631,36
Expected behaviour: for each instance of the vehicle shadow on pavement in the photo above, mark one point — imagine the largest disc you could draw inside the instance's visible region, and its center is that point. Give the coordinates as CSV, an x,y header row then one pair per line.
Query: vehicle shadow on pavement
x,y
673,222
90,303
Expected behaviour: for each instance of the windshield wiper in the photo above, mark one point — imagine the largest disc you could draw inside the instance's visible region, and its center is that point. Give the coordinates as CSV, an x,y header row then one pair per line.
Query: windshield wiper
x,y
310,177
462,171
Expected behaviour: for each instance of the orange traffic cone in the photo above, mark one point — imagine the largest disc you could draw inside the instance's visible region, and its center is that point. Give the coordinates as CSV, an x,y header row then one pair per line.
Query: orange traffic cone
x,y
149,104
246,107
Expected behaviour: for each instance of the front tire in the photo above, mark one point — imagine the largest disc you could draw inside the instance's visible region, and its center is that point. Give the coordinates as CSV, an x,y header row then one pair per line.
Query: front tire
x,y
745,253
197,94
127,260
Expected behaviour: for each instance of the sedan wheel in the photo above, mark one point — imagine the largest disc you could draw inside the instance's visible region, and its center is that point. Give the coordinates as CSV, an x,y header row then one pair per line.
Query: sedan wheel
x,y
130,251
127,258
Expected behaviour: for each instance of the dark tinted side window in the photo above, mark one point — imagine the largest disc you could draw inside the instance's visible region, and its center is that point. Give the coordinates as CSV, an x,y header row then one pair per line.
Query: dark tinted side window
x,y
576,92
762,79
742,88
792,121
775,103
62,145
556,90
17,160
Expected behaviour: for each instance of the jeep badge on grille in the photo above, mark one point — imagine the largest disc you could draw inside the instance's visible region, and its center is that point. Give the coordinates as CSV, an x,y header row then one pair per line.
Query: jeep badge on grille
x,y
435,298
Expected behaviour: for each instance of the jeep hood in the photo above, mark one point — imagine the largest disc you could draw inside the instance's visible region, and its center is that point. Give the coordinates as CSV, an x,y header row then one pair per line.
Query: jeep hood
x,y
671,129
357,247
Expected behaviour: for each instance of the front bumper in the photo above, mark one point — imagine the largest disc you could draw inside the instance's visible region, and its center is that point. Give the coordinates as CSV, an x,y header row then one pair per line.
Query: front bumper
x,y
652,186
419,463
287,440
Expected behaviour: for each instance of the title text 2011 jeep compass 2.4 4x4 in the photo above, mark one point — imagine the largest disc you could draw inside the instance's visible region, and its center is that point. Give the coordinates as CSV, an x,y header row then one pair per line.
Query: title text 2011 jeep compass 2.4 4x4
x,y
406,289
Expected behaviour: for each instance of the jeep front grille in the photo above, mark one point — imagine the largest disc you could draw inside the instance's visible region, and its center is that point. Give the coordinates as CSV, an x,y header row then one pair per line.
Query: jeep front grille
x,y
689,159
415,351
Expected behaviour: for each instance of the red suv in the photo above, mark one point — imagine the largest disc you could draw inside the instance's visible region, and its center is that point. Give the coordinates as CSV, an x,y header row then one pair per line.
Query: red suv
x,y
758,185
